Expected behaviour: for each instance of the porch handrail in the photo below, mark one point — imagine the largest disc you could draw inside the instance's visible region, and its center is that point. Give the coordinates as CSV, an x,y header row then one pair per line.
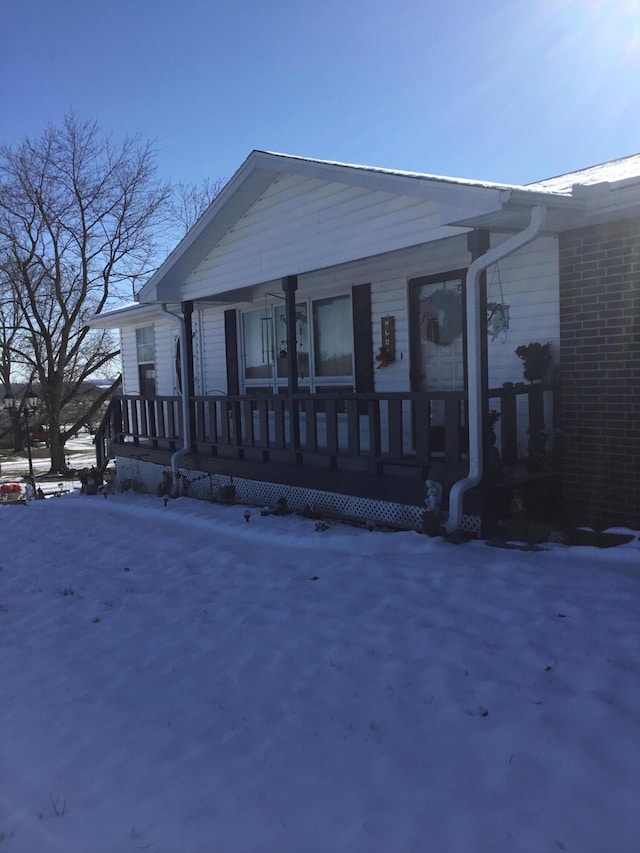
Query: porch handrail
x,y
414,433
108,432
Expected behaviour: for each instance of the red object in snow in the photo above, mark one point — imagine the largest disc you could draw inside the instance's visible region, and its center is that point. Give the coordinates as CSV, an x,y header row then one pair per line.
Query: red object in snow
x,y
9,488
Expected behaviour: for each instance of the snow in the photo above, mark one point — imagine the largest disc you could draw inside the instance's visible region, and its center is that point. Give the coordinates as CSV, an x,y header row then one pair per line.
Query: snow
x,y
177,679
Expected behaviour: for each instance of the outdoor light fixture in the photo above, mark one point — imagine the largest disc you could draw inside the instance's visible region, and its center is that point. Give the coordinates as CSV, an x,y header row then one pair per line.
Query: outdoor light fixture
x,y
30,404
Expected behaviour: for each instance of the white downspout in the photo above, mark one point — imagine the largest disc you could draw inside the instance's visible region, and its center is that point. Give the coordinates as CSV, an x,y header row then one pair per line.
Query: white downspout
x,y
186,428
476,268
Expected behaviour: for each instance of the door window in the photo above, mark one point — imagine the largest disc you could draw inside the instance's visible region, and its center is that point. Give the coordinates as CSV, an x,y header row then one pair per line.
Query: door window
x,y
437,332
333,337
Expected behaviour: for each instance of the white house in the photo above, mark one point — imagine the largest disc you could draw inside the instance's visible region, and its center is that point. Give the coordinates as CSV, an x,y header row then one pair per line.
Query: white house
x,y
335,335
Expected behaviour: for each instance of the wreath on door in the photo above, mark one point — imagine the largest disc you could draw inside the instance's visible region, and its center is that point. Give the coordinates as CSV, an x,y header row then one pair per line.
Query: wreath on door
x,y
441,316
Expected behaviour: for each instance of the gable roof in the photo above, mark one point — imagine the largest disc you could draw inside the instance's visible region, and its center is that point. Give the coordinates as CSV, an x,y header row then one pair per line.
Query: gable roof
x,y
457,197
598,193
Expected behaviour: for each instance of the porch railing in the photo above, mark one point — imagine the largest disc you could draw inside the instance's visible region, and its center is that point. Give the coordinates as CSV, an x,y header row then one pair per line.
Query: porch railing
x,y
423,434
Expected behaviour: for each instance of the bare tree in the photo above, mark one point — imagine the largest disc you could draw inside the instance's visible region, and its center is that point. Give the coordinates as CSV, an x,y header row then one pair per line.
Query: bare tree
x,y
189,202
78,214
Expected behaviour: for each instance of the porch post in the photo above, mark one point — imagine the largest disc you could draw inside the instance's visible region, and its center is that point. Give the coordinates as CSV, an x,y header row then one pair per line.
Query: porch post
x,y
188,382
289,286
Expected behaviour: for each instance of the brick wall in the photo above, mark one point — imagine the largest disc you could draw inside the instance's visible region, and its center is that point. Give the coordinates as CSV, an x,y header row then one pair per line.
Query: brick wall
x,y
600,358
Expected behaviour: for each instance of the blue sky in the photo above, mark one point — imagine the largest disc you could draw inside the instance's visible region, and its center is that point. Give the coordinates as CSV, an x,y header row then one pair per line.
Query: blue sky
x,y
506,90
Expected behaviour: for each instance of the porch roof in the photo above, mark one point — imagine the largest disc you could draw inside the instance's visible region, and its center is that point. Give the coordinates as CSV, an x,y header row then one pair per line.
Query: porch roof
x,y
457,198
610,190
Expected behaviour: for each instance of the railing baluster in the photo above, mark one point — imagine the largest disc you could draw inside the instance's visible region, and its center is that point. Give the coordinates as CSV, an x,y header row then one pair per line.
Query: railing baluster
x,y
421,424
225,426
394,426
331,415
263,422
353,428
452,427
508,427
247,421
310,425
536,419
375,440
278,417
236,426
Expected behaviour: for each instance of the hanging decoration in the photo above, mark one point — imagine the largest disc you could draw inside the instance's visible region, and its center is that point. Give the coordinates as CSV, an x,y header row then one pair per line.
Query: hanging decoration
x,y
497,312
441,316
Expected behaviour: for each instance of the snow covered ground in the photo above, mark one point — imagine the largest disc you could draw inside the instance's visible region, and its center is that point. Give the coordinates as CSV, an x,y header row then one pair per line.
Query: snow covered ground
x,y
179,680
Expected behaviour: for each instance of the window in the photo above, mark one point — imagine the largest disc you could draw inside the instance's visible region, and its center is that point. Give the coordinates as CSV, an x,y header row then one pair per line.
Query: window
x,y
145,344
265,346
145,350
257,338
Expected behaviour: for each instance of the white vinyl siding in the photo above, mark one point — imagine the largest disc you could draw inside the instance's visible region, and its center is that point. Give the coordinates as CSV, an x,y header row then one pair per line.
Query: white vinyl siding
x,y
211,344
129,357
529,281
165,359
530,284
387,274
300,225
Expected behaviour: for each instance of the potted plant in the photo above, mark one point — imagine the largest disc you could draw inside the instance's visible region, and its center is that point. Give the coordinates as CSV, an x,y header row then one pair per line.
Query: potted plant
x,y
90,479
536,360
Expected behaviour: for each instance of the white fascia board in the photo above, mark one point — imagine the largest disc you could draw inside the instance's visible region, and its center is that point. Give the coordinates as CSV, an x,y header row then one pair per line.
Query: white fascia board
x,y
441,190
333,170
514,211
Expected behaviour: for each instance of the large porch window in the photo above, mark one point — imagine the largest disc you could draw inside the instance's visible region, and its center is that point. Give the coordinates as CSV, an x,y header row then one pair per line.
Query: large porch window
x,y
324,344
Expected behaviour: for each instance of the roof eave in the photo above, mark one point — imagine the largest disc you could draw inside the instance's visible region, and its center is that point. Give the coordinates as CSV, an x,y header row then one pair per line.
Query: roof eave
x,y
514,211
134,314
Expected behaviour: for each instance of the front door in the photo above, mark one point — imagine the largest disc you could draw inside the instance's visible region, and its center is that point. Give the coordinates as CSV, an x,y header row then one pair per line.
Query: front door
x,y
437,346
437,340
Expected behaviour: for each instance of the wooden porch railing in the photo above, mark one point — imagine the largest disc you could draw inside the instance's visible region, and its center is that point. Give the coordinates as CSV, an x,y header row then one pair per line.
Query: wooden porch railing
x,y
109,432
414,434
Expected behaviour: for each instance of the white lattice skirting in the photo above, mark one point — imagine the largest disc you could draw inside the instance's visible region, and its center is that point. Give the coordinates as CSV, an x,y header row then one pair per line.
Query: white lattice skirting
x,y
147,477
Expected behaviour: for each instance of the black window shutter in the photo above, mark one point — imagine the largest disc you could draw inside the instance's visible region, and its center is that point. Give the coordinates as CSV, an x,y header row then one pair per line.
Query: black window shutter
x,y
231,349
362,337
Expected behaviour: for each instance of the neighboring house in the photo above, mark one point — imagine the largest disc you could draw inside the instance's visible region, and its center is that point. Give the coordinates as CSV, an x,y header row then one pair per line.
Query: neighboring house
x,y
336,335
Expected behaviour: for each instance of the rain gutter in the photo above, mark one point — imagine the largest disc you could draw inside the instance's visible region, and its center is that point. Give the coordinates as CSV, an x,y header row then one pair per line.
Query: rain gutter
x,y
476,268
